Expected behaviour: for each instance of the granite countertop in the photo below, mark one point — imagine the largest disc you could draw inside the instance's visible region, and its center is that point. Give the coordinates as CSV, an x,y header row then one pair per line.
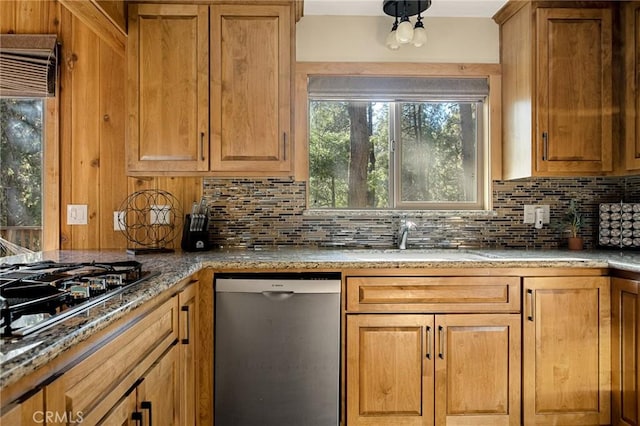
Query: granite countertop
x,y
21,357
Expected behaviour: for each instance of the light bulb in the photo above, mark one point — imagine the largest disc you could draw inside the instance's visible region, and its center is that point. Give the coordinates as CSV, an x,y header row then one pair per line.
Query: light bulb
x,y
419,35
404,33
392,42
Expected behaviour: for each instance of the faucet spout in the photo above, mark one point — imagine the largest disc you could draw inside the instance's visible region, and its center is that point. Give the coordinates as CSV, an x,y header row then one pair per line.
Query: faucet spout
x,y
403,233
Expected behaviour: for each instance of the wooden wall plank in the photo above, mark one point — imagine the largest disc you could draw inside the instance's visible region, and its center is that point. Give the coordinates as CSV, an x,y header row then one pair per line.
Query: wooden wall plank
x,y
84,161
99,22
65,123
113,182
7,17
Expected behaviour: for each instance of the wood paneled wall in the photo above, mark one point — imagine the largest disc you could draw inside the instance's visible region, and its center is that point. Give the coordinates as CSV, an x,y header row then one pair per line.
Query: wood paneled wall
x,y
91,126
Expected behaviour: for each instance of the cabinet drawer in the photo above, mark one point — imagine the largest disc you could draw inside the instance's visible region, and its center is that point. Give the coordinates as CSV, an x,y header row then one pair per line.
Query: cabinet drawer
x,y
96,384
433,294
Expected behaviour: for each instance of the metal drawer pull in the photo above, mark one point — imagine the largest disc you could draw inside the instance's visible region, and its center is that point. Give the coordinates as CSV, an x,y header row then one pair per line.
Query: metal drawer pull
x,y
202,146
530,297
284,146
428,333
186,310
136,416
441,336
146,405
545,146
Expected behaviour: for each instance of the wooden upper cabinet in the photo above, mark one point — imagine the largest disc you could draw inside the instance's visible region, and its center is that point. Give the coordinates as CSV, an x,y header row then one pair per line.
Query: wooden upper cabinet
x,y
251,89
557,90
631,83
168,95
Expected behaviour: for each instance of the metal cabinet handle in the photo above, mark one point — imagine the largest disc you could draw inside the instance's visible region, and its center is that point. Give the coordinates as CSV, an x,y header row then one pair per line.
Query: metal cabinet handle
x,y
441,336
545,146
531,302
146,405
284,146
202,146
136,416
428,336
185,309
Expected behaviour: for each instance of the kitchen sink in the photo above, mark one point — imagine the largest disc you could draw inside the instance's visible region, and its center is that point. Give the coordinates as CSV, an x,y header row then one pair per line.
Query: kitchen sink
x,y
425,255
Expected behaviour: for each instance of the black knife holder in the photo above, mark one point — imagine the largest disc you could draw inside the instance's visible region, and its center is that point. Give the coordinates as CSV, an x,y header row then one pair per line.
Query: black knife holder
x,y
195,240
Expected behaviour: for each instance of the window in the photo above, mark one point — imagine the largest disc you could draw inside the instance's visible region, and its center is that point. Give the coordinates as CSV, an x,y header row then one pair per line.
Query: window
x,y
397,142
21,149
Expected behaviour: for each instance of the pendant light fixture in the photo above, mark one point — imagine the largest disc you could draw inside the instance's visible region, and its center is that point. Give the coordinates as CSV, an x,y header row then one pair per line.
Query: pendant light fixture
x,y
404,32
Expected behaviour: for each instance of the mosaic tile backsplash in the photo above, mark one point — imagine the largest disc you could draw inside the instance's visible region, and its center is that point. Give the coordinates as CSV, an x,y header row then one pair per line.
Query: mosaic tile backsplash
x,y
254,213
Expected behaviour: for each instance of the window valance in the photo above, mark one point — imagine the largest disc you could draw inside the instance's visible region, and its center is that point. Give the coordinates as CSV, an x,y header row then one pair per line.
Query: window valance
x,y
28,65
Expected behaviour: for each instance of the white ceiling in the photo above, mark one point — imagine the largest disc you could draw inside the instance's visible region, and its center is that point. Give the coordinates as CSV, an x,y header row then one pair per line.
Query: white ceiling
x,y
440,8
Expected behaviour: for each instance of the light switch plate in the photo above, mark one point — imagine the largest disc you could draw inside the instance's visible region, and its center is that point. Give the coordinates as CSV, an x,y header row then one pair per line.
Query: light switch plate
x,y
119,221
76,214
530,213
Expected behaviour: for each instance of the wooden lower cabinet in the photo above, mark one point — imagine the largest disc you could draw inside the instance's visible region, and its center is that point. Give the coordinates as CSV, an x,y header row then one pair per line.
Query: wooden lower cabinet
x,y
146,374
413,369
28,411
188,300
625,318
566,351
154,401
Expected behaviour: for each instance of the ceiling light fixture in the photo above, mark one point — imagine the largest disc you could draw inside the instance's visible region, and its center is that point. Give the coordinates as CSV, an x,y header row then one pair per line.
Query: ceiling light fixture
x,y
404,32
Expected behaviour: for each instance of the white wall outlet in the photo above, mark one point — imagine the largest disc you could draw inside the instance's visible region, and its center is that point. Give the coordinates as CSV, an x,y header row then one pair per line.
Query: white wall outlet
x,y
530,213
119,221
76,214
160,214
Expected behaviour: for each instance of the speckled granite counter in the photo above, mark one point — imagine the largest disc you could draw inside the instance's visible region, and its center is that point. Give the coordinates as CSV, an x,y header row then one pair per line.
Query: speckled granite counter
x,y
19,358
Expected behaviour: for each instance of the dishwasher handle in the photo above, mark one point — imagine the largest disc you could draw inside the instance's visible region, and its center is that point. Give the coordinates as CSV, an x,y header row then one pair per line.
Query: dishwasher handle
x,y
278,295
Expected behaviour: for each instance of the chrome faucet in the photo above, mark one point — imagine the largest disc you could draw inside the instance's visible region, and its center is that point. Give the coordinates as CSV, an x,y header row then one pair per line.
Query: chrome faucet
x,y
403,232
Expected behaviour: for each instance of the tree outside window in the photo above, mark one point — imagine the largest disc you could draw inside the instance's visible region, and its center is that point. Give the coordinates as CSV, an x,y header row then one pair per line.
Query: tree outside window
x,y
21,125
382,155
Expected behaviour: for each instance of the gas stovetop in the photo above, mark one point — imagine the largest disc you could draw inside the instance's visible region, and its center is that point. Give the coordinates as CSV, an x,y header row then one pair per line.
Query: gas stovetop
x,y
35,296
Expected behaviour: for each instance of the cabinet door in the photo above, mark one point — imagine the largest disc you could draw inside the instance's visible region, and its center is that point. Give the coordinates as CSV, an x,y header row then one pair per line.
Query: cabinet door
x,y
251,88
28,411
574,89
187,351
157,394
168,51
477,369
124,413
566,351
625,318
631,83
390,370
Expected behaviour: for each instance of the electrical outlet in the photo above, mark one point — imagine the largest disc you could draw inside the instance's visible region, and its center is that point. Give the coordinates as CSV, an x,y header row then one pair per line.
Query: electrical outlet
x,y
76,214
530,213
159,214
119,221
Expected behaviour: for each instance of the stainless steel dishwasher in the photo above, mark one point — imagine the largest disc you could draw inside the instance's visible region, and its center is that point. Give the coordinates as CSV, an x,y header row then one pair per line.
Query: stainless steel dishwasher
x,y
277,349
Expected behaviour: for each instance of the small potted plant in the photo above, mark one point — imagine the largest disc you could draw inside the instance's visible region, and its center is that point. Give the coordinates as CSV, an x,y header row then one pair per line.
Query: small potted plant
x,y
572,223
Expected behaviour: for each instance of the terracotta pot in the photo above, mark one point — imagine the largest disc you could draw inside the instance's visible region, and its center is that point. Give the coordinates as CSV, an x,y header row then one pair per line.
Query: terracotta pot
x,y
575,243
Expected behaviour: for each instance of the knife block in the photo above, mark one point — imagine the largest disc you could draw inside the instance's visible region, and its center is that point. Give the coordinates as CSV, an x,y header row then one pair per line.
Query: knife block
x,y
195,240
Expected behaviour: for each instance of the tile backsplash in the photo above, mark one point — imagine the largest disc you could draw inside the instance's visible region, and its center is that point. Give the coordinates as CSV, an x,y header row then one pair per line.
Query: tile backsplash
x,y
255,213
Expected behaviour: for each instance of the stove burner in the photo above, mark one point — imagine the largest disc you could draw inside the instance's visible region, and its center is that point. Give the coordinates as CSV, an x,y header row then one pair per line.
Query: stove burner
x,y
48,292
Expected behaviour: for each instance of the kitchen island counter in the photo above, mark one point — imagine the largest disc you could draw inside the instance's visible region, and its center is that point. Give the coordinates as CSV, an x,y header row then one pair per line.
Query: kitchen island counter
x,y
21,357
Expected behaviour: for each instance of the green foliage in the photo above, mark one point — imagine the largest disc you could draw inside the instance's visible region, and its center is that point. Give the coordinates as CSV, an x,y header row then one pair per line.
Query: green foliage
x,y
436,163
572,221
21,162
